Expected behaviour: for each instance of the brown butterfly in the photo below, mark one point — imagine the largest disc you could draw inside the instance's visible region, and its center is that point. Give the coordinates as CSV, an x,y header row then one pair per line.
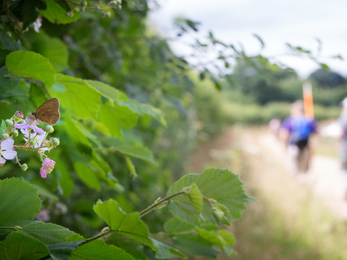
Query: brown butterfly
x,y
48,112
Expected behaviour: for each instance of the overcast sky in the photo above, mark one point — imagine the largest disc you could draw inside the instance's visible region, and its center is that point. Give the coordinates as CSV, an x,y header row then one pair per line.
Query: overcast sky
x,y
277,22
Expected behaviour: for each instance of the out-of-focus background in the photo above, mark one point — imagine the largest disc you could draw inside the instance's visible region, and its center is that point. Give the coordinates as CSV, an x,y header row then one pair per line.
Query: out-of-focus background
x,y
296,217
218,72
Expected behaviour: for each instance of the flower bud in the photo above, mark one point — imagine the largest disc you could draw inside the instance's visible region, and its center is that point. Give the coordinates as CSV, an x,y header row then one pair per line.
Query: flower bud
x,y
24,167
18,227
49,129
14,133
21,121
4,136
56,141
69,13
32,141
18,115
9,122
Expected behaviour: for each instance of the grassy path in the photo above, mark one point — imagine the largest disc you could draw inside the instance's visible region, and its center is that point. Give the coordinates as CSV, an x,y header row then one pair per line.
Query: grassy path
x,y
292,219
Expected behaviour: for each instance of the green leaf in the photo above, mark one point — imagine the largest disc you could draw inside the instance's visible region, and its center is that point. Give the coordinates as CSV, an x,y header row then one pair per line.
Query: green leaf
x,y
43,191
127,224
115,117
65,181
260,40
196,198
56,14
48,233
175,225
325,67
8,42
77,96
165,251
195,245
84,208
87,175
131,166
78,136
6,83
31,65
37,95
221,238
106,90
63,251
131,148
19,246
217,185
144,109
19,200
53,49
133,105
98,250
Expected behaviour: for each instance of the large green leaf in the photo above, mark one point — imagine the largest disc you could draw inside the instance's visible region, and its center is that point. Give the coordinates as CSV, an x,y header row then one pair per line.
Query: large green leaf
x,y
144,109
115,117
31,65
87,175
195,245
53,49
221,238
133,105
165,251
19,200
48,233
77,96
216,185
210,234
130,145
127,224
98,250
106,90
62,251
19,246
56,14
175,226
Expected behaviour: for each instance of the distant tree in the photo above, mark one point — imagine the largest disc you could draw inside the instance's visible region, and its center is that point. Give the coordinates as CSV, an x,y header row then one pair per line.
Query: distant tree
x,y
260,80
327,79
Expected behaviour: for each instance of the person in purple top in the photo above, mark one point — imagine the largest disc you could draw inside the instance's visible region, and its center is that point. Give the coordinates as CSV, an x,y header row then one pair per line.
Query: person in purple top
x,y
296,131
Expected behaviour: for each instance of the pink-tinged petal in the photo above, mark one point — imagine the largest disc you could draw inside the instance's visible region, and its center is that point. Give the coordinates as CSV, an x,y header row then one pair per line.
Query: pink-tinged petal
x,y
9,154
2,160
47,167
7,144
43,173
37,129
21,126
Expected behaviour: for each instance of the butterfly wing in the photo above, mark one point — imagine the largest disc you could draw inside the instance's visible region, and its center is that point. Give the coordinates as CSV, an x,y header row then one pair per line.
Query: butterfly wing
x,y
48,112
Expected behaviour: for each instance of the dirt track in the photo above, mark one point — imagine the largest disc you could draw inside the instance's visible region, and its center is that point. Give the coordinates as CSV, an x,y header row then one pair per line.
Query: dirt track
x,y
269,156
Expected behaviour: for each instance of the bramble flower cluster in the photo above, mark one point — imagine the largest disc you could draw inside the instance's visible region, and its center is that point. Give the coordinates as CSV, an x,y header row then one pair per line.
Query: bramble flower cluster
x,y
36,139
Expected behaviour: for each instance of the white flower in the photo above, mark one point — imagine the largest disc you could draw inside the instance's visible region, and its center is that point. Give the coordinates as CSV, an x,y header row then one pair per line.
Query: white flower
x,y
6,150
39,139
